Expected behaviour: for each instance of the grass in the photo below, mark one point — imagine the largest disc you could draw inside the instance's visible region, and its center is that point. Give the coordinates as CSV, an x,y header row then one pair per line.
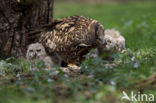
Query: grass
x,y
135,21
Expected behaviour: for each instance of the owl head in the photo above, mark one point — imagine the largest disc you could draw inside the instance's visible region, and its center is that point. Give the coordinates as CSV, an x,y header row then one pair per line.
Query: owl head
x,y
36,51
114,41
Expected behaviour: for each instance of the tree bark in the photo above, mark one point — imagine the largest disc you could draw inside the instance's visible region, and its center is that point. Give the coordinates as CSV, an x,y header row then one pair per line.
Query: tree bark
x,y
17,20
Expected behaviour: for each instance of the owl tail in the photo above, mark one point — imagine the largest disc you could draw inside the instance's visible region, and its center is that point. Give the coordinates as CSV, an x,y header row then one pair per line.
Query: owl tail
x,y
35,33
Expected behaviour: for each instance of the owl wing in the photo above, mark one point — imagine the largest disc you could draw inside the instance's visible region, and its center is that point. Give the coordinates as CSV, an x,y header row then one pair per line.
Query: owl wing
x,y
70,33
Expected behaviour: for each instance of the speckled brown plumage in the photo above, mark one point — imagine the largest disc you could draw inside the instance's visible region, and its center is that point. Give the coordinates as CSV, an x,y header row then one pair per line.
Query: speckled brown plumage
x,y
72,37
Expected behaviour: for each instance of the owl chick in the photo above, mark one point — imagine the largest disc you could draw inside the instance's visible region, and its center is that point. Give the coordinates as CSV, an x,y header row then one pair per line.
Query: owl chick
x,y
114,42
37,51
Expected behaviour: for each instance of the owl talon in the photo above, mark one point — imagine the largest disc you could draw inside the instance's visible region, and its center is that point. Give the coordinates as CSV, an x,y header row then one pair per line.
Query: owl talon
x,y
73,67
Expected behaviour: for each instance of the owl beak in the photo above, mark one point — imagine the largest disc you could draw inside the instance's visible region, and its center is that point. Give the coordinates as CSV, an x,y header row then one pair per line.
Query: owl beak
x,y
35,55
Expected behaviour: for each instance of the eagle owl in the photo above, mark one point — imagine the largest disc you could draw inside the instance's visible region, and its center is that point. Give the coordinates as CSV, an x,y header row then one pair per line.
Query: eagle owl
x,y
114,42
37,51
72,37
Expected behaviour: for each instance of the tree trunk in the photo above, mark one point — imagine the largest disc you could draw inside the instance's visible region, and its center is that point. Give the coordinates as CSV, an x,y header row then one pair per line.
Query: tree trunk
x,y
17,19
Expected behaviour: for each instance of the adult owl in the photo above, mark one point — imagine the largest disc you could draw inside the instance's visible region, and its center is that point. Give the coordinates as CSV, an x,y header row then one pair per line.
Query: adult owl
x,y
72,37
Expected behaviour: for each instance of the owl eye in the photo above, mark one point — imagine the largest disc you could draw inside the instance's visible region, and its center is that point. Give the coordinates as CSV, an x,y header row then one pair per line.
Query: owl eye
x,y
30,50
38,50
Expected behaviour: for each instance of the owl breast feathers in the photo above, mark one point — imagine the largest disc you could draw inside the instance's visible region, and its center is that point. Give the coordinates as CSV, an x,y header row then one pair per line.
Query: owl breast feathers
x,y
72,37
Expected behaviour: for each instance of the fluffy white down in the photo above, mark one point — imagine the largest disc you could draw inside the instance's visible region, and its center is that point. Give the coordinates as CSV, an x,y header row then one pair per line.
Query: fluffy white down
x,y
114,40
